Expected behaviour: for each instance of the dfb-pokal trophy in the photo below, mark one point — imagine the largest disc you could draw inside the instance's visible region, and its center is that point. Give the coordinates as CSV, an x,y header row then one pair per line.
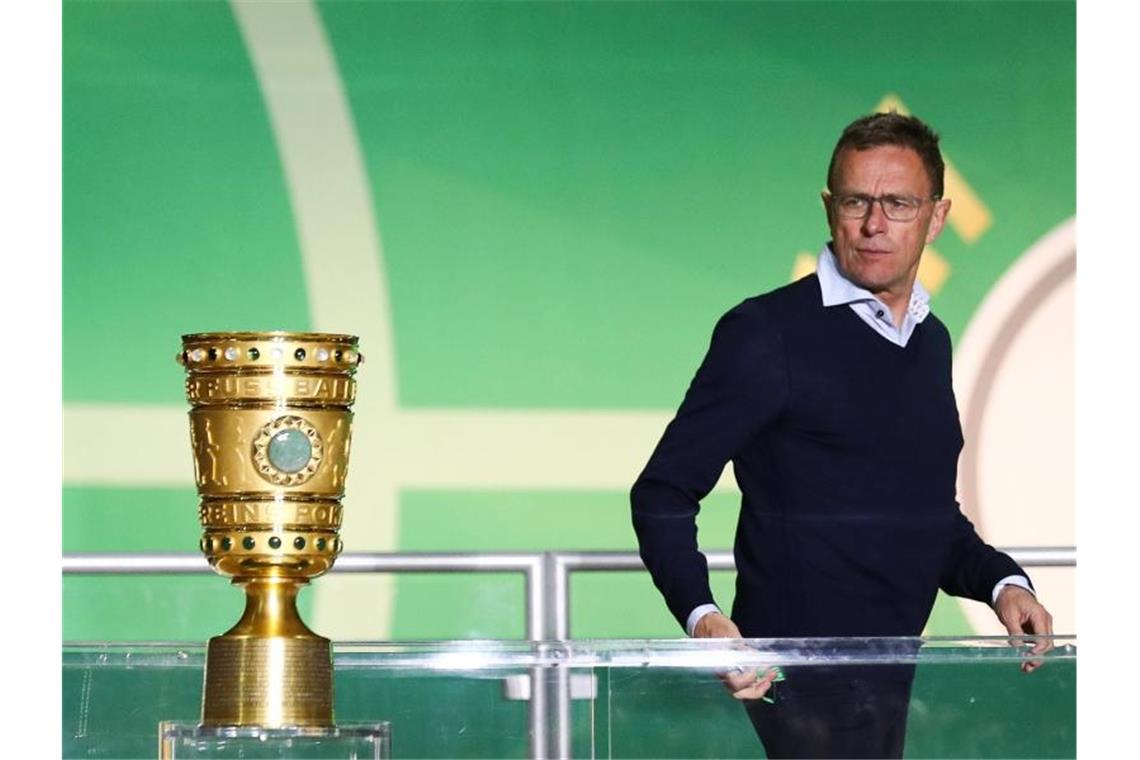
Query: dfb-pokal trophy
x,y
270,431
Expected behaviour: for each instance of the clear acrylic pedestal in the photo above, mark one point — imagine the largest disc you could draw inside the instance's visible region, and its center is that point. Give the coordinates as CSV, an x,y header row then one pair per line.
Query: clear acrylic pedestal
x,y
367,741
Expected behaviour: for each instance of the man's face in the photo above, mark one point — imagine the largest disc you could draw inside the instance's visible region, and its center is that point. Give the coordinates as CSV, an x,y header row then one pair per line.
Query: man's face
x,y
874,252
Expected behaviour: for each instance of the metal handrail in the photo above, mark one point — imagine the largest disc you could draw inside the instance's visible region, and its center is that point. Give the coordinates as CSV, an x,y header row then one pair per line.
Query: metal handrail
x,y
547,579
528,563
546,573
176,563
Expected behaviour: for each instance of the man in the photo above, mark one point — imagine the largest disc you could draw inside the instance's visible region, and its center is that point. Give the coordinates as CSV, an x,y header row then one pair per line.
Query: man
x,y
832,397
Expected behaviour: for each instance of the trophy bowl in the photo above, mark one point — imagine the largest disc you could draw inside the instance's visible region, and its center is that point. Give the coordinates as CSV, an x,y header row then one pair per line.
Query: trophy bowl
x,y
270,431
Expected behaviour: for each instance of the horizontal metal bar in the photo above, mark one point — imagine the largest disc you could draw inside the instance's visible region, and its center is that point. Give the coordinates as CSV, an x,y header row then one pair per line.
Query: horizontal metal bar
x,y
441,562
192,563
605,560
131,564
1035,556
471,562
1044,556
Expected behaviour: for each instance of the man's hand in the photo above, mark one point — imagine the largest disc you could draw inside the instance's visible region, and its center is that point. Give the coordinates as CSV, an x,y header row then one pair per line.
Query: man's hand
x,y
1021,613
715,626
744,684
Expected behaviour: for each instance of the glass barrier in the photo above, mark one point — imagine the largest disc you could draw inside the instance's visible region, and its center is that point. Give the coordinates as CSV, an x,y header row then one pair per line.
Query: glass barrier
x,y
965,697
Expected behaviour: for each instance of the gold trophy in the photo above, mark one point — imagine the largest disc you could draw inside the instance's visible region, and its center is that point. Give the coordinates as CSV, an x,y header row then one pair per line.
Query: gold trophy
x,y
270,426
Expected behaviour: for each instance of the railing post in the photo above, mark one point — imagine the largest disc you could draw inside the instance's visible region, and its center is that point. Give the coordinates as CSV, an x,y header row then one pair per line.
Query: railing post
x,y
556,572
556,624
536,604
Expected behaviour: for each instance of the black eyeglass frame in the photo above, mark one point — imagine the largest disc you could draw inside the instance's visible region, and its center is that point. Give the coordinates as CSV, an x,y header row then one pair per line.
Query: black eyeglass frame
x,y
908,212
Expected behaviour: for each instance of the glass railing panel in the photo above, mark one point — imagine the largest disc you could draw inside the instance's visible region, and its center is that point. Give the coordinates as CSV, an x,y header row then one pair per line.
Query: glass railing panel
x,y
463,699
457,699
113,696
968,698
597,698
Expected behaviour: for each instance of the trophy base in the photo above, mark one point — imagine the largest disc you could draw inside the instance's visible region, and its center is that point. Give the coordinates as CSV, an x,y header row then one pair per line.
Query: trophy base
x,y
268,682
356,742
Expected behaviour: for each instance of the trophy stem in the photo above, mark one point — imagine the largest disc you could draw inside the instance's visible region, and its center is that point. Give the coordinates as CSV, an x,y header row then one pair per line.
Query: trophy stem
x,y
270,607
270,669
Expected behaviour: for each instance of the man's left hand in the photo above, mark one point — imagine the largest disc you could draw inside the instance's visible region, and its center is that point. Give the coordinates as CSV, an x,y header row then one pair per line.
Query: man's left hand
x,y
1021,613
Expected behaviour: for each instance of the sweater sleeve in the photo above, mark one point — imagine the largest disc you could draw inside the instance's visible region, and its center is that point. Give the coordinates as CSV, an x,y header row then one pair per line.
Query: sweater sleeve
x,y
973,567
740,387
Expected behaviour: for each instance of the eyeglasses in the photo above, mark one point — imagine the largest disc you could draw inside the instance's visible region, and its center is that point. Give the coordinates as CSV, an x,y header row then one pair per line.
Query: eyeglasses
x,y
897,208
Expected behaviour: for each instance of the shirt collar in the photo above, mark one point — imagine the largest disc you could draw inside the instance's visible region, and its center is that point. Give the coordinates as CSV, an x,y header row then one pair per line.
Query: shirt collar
x,y
838,290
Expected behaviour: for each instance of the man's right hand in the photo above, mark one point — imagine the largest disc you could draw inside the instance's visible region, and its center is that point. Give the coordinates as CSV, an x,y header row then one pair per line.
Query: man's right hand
x,y
744,684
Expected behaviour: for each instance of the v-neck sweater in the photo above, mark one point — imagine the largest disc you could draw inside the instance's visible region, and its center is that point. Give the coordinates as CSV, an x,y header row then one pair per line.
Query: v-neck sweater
x,y
845,447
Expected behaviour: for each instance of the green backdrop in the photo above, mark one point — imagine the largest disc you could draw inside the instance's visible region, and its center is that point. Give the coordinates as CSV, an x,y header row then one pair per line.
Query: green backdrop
x,y
567,195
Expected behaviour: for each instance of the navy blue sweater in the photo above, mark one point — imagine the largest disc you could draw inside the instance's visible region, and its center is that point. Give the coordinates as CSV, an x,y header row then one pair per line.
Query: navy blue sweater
x,y
845,447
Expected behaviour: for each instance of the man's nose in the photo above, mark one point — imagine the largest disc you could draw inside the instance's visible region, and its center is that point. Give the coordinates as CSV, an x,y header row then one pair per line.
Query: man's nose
x,y
876,221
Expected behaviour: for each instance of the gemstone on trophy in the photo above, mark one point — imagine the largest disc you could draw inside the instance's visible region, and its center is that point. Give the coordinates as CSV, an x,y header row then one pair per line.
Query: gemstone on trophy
x,y
290,450
231,353
322,354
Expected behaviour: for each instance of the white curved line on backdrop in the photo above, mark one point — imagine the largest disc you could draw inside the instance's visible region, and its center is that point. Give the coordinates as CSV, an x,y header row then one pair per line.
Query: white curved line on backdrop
x,y
1030,267
1013,379
341,256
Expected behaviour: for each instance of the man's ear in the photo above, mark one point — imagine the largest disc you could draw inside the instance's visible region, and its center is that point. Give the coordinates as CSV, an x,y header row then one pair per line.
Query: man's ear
x,y
826,198
937,219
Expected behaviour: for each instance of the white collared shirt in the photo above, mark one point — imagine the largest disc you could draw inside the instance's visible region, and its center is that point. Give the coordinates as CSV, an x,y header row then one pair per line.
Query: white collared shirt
x,y
838,290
